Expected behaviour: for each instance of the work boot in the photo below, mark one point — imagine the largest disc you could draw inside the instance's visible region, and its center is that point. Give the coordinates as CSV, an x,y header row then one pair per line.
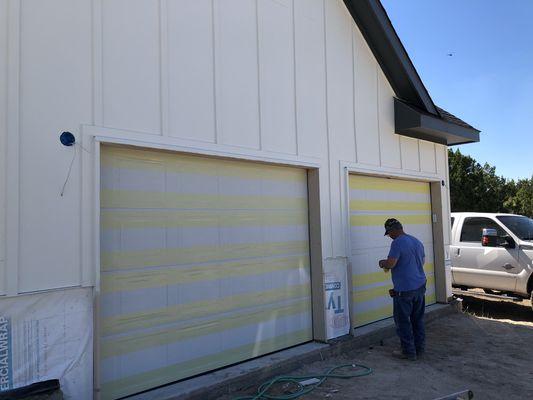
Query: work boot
x,y
401,355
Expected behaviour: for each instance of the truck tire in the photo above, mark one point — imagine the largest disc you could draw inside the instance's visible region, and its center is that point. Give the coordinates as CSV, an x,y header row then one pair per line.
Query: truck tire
x,y
531,300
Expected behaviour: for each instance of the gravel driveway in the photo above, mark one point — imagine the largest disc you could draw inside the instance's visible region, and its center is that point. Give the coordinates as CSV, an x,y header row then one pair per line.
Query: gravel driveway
x,y
488,349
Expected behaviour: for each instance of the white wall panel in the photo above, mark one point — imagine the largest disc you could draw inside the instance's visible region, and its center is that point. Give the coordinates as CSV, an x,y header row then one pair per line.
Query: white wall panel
x,y
55,96
389,141
427,156
310,77
276,75
340,80
3,137
236,60
441,154
131,67
366,111
410,153
339,58
191,69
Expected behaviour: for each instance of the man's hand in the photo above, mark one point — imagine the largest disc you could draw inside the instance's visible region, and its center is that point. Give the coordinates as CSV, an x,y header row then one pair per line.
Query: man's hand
x,y
388,264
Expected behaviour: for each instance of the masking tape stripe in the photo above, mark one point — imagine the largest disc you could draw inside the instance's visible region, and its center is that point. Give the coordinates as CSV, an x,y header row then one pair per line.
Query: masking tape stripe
x,y
371,220
199,254
372,315
395,185
135,342
199,309
117,157
357,205
359,280
360,296
141,199
137,383
113,283
139,219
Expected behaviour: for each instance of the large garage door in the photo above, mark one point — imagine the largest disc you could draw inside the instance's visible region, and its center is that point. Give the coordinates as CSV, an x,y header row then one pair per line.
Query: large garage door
x,y
204,263
372,201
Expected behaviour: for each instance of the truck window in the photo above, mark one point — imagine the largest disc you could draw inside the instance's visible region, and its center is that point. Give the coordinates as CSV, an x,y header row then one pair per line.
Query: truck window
x,y
473,228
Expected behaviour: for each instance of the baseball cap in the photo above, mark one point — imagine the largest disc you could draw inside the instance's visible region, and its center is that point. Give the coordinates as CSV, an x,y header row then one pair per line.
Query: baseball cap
x,y
392,224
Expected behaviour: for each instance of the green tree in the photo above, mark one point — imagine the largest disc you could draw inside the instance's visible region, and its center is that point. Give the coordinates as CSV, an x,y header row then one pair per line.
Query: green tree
x,y
474,187
523,200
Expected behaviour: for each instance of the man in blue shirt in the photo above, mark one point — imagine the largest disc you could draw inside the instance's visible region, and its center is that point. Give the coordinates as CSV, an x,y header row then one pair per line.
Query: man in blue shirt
x,y
406,262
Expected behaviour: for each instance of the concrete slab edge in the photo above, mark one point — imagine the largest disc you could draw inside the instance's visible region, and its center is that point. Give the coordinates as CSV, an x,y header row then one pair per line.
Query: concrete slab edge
x,y
251,373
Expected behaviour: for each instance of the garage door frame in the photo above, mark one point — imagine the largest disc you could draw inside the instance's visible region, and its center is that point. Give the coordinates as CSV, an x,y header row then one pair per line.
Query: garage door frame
x,y
92,139
438,220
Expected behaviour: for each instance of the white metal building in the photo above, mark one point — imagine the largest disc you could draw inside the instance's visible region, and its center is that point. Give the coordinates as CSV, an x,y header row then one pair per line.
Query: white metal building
x,y
234,163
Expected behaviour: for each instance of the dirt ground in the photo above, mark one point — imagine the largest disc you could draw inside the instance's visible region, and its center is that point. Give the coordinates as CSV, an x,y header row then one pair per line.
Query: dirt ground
x,y
488,349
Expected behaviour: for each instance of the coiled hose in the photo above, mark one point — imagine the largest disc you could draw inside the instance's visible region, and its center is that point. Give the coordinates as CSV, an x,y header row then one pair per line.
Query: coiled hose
x,y
301,390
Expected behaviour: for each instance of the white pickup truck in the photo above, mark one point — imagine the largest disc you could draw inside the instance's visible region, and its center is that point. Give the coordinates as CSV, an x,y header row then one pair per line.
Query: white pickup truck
x,y
493,252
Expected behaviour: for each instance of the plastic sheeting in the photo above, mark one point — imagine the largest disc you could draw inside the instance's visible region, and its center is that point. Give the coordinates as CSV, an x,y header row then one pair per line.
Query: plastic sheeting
x,y
48,336
336,297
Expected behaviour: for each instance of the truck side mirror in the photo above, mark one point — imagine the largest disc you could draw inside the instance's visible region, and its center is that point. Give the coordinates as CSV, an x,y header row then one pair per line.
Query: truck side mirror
x,y
489,237
508,242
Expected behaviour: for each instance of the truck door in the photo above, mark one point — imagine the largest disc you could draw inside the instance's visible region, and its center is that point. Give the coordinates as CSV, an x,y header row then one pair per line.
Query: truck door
x,y
485,267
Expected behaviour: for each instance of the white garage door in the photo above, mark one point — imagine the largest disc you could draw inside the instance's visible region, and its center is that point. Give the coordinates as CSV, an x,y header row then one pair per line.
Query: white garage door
x,y
372,202
204,263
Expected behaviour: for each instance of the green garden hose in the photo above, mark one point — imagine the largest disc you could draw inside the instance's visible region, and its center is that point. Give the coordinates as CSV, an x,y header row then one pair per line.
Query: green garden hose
x,y
301,389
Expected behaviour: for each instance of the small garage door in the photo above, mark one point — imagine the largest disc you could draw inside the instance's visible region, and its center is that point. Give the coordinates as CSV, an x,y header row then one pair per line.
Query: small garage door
x,y
372,201
204,263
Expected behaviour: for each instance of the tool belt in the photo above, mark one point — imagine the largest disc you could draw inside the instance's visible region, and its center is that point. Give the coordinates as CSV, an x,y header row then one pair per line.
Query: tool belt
x,y
406,293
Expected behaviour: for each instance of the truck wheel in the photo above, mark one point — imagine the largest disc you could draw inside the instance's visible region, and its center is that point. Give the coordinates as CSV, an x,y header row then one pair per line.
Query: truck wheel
x,y
531,300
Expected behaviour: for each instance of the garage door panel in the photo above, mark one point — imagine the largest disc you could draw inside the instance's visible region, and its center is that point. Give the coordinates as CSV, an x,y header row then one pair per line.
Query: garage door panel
x,y
198,251
194,307
368,237
372,201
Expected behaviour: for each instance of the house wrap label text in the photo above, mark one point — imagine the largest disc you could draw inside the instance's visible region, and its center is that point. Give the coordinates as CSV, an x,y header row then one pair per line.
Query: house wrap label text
x,y
6,381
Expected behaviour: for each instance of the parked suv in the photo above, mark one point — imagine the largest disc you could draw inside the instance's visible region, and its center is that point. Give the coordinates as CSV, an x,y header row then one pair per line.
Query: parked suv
x,y
493,252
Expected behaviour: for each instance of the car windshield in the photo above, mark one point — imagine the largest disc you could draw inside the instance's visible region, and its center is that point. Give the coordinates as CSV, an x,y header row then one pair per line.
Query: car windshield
x,y
520,226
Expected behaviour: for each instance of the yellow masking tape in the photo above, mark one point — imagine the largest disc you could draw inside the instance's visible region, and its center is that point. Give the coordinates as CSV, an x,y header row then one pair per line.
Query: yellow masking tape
x,y
378,220
164,162
200,254
127,219
199,309
430,299
364,205
360,296
363,318
138,341
395,185
111,283
359,280
157,377
363,295
140,199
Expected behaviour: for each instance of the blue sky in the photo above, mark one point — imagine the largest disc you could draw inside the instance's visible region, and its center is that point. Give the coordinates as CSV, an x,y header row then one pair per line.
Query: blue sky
x,y
488,82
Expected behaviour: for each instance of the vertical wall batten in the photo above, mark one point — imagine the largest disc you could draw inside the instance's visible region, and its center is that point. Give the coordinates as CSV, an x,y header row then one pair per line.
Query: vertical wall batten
x,y
97,63
13,149
354,90
295,103
163,66
3,138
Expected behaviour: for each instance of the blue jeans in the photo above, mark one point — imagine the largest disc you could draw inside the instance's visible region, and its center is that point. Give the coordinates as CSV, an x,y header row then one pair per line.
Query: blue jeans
x,y
409,310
